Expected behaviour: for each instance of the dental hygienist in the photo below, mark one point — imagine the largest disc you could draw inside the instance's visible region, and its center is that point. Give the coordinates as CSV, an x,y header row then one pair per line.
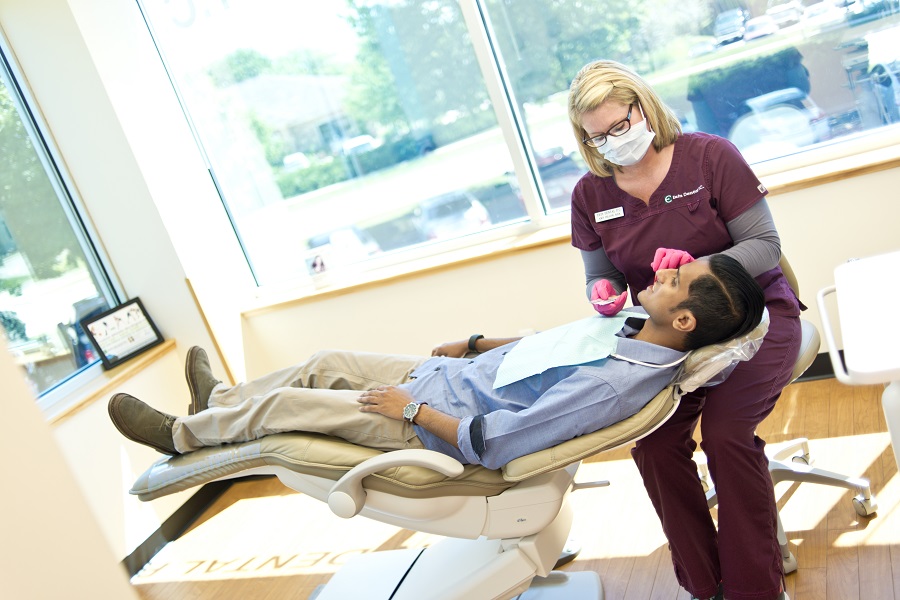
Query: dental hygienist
x,y
651,187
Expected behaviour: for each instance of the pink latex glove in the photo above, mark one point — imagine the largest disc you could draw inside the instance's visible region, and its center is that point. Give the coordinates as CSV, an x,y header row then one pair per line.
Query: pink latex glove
x,y
667,258
603,290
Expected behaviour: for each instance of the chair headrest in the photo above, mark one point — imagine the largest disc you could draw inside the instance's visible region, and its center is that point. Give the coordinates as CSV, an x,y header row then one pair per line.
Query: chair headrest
x,y
711,364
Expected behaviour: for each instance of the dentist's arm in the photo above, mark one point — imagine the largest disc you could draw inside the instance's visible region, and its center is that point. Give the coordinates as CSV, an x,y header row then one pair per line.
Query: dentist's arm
x,y
757,245
597,267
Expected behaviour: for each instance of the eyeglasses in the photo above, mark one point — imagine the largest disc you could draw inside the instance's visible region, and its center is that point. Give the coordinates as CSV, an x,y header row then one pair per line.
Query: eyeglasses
x,y
616,130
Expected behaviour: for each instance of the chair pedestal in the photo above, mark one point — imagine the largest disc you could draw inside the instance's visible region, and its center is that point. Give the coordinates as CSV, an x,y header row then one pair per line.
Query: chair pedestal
x,y
457,568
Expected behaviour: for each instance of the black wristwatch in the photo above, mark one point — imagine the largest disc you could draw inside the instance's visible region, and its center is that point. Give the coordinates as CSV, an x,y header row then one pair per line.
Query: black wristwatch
x,y
472,341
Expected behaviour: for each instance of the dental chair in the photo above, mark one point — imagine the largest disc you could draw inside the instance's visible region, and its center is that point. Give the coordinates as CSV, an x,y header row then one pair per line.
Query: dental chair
x,y
504,529
790,461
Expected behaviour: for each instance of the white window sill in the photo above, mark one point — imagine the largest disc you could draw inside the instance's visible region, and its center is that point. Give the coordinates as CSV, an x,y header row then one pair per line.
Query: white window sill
x,y
448,254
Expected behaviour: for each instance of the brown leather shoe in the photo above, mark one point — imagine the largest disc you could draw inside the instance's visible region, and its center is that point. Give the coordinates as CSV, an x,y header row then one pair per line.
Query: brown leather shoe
x,y
141,423
200,379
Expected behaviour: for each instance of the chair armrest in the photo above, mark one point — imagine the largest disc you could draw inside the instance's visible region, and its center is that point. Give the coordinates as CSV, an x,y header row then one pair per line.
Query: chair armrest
x,y
347,496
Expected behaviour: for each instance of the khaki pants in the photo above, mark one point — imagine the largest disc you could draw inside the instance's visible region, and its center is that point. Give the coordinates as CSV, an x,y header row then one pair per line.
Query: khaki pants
x,y
318,396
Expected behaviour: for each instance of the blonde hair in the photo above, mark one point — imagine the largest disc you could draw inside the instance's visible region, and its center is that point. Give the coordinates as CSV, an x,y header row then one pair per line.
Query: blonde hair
x,y
606,80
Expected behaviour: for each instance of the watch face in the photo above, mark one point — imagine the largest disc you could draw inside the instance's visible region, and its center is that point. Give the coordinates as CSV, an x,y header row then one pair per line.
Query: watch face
x,y
410,410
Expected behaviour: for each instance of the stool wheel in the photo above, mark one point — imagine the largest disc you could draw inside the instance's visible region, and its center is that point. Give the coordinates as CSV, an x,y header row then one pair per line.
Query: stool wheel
x,y
865,507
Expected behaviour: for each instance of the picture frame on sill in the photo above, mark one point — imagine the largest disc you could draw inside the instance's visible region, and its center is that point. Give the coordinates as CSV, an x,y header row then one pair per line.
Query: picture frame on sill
x,y
122,332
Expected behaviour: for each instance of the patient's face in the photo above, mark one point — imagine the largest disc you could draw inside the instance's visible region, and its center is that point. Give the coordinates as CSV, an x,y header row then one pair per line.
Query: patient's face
x,y
670,288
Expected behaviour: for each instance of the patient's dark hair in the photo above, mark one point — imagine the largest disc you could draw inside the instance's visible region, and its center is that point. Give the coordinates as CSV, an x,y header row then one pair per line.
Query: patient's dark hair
x,y
727,303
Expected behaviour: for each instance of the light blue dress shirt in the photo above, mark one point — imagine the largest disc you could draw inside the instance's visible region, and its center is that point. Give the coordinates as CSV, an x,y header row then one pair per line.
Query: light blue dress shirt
x,y
574,343
540,411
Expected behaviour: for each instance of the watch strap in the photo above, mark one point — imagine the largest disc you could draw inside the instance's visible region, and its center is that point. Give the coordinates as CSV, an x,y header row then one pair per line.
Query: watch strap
x,y
472,340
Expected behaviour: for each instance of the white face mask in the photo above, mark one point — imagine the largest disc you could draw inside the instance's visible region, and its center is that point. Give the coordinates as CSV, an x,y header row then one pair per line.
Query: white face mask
x,y
630,148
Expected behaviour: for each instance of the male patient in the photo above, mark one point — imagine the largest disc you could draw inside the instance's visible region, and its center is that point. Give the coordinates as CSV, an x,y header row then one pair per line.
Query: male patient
x,y
453,405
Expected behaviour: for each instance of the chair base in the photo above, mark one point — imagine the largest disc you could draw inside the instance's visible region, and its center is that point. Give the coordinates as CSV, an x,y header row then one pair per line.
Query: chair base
x,y
454,568
791,461
568,554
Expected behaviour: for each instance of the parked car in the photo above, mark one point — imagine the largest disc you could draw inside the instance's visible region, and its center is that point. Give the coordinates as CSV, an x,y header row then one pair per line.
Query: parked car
x,y
729,26
778,123
450,215
341,246
359,144
785,12
823,16
296,160
796,98
758,27
862,11
559,174
702,47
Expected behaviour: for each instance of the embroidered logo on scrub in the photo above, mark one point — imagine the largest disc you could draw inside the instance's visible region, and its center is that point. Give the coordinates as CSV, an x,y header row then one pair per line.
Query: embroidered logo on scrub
x,y
670,197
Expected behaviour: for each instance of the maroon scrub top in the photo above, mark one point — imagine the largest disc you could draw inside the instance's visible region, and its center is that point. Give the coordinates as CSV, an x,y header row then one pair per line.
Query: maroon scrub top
x,y
708,184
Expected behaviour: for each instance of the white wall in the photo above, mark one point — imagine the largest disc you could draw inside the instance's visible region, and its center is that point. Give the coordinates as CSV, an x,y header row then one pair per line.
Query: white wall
x,y
52,547
505,296
824,226
106,464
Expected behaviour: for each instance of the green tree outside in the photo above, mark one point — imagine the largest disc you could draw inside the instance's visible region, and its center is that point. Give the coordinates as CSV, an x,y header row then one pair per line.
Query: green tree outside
x,y
29,203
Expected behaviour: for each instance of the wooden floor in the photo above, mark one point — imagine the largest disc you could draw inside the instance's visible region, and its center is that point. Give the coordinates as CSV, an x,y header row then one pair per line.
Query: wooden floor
x,y
261,540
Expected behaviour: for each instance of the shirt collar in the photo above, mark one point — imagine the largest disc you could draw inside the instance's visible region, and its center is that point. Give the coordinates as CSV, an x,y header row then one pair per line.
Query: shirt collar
x,y
632,349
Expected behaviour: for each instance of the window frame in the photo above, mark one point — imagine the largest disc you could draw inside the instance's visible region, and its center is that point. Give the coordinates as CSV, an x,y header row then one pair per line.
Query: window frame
x,y
493,71
59,397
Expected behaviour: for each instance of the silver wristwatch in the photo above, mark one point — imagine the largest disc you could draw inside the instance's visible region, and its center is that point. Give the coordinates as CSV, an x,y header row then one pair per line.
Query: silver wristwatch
x,y
410,411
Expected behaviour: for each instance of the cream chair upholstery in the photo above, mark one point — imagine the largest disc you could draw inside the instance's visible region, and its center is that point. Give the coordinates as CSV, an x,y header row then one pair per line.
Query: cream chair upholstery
x,y
505,528
790,461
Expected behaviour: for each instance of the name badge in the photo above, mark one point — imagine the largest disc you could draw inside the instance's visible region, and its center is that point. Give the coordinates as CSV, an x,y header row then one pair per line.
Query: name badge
x,y
608,215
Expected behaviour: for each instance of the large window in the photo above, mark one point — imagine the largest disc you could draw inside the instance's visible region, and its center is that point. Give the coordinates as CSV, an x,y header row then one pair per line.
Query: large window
x,y
49,275
349,133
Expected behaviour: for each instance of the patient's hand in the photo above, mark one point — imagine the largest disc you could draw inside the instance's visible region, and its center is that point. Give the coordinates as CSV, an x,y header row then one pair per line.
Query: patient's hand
x,y
453,349
387,400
